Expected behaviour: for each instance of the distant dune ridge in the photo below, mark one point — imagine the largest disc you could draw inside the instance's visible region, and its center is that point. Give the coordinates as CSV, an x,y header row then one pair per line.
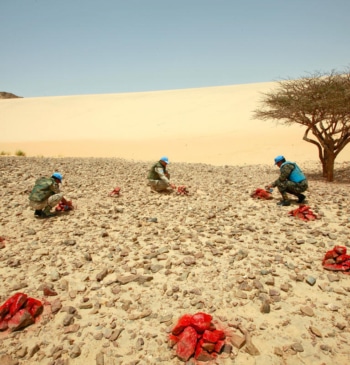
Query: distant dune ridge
x,y
6,95
205,125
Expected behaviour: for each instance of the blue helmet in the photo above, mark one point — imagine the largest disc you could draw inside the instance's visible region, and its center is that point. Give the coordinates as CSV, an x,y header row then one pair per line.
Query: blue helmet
x,y
165,159
57,175
279,159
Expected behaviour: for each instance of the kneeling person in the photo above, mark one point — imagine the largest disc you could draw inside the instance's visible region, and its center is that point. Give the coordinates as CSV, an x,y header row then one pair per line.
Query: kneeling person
x,y
291,180
46,195
158,176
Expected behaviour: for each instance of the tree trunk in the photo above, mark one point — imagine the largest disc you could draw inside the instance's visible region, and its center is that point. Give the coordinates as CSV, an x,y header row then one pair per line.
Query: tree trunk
x,y
328,165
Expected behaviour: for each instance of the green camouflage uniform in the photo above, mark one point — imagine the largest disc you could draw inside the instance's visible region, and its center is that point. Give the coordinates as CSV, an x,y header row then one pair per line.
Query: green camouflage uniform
x,y
158,177
285,186
46,192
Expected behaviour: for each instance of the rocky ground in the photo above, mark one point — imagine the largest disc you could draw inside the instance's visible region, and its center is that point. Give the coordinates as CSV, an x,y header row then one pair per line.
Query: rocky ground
x,y
124,269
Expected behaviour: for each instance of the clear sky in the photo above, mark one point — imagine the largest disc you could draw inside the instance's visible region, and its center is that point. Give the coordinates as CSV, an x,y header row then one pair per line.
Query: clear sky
x,y
76,47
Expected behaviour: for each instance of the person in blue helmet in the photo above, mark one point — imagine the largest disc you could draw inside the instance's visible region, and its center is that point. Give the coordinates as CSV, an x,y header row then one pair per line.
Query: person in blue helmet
x,y
45,195
291,180
159,177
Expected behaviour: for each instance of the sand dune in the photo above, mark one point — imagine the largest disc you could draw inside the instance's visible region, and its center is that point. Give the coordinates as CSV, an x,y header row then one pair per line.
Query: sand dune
x,y
210,125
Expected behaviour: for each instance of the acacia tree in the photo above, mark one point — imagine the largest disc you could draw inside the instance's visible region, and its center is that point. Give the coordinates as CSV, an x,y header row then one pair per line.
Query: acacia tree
x,y
321,103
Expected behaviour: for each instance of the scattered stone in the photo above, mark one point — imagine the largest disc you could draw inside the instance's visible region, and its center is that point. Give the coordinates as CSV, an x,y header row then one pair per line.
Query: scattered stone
x,y
245,256
139,344
69,242
265,307
332,277
33,350
101,275
100,360
307,311
22,352
315,331
326,348
75,352
278,351
237,341
297,347
8,360
311,280
341,326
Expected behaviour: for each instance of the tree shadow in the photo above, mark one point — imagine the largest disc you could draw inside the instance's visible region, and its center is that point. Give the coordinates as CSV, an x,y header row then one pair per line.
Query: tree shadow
x,y
341,175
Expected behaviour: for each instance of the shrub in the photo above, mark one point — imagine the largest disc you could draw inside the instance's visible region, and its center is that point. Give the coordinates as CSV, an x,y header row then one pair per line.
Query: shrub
x,y
4,153
20,153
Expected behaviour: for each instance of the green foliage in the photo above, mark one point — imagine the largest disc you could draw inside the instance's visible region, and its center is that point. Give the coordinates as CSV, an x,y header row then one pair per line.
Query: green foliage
x,y
4,153
321,103
20,153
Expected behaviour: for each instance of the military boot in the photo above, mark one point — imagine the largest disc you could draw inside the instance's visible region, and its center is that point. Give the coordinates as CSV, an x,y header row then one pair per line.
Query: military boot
x,y
285,201
301,198
38,213
47,213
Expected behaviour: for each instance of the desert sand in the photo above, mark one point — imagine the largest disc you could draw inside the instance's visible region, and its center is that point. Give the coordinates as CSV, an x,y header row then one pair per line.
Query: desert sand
x,y
123,269
208,125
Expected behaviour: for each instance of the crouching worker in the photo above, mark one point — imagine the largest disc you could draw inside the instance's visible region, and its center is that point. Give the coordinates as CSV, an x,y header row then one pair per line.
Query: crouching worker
x,y
159,177
291,180
46,195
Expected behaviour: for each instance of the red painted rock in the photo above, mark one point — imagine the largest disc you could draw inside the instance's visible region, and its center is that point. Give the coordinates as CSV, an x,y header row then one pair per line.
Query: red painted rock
x,y
12,304
183,322
342,258
340,250
64,207
17,302
187,343
19,311
173,340
4,309
20,320
213,336
261,194
115,191
201,321
219,346
34,307
182,190
3,325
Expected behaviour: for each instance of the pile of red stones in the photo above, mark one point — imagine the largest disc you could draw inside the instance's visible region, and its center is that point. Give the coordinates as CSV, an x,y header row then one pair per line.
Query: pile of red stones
x,y
115,191
337,260
182,190
261,194
196,335
304,213
64,207
19,311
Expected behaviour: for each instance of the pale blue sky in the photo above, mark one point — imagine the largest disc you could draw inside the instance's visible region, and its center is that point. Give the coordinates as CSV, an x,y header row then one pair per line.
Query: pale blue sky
x,y
74,47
